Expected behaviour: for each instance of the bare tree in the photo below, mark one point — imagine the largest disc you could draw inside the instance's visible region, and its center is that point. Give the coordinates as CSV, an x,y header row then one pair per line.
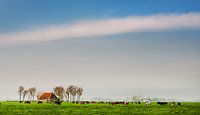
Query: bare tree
x,y
67,94
25,92
20,90
70,90
79,93
32,92
74,92
59,91
29,94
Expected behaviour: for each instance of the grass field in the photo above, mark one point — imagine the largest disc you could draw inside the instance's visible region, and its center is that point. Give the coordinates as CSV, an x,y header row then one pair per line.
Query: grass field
x,y
12,108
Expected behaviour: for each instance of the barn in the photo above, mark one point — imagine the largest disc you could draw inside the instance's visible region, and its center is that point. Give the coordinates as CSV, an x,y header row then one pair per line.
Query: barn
x,y
48,97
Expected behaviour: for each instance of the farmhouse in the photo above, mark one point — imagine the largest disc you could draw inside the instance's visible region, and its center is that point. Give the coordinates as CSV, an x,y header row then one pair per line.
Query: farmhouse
x,y
48,96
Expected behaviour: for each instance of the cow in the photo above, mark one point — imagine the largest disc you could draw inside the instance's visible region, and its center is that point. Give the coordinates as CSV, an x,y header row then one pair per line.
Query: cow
x,y
126,103
93,102
58,102
148,102
20,102
75,102
87,102
178,103
137,102
101,102
84,102
39,102
27,102
175,104
162,103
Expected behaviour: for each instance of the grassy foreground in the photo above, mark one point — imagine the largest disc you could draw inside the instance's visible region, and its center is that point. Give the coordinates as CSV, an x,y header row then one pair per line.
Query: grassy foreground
x,y
13,108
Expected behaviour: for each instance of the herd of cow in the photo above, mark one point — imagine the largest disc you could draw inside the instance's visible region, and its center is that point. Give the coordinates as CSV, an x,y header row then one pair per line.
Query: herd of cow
x,y
102,102
111,102
170,103
126,103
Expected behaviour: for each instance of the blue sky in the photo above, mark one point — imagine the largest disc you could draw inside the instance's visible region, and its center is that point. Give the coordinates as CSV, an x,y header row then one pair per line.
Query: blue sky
x,y
19,14
129,47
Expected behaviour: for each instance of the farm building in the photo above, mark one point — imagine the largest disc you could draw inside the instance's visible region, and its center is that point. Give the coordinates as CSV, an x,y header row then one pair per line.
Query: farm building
x,y
47,96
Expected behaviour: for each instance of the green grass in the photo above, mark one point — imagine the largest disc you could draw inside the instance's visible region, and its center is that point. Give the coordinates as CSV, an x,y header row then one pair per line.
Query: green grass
x,y
14,108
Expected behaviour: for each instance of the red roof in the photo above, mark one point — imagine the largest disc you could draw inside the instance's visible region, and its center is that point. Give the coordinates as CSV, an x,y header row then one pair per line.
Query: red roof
x,y
45,96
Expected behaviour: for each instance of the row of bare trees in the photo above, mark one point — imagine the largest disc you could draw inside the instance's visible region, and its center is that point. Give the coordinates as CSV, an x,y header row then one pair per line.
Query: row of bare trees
x,y
72,93
26,92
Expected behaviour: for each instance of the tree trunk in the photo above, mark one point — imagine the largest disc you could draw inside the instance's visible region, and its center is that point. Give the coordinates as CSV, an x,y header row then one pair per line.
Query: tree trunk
x,y
78,97
23,97
29,97
68,97
20,95
33,97
71,98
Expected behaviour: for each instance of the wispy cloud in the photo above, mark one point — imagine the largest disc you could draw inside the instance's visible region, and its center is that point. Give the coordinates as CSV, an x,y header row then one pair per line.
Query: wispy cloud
x,y
104,27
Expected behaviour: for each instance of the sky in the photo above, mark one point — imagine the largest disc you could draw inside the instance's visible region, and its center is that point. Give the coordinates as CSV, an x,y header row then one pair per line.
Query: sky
x,y
113,49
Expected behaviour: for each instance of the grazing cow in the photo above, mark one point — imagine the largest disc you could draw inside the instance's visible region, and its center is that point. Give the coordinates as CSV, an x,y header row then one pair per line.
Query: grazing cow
x,y
20,102
148,102
58,102
27,102
125,102
172,103
137,102
100,102
75,102
178,103
93,102
39,102
162,103
175,103
82,102
87,102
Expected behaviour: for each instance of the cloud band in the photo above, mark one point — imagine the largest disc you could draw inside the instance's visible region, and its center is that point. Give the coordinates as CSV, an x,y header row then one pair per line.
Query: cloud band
x,y
105,27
